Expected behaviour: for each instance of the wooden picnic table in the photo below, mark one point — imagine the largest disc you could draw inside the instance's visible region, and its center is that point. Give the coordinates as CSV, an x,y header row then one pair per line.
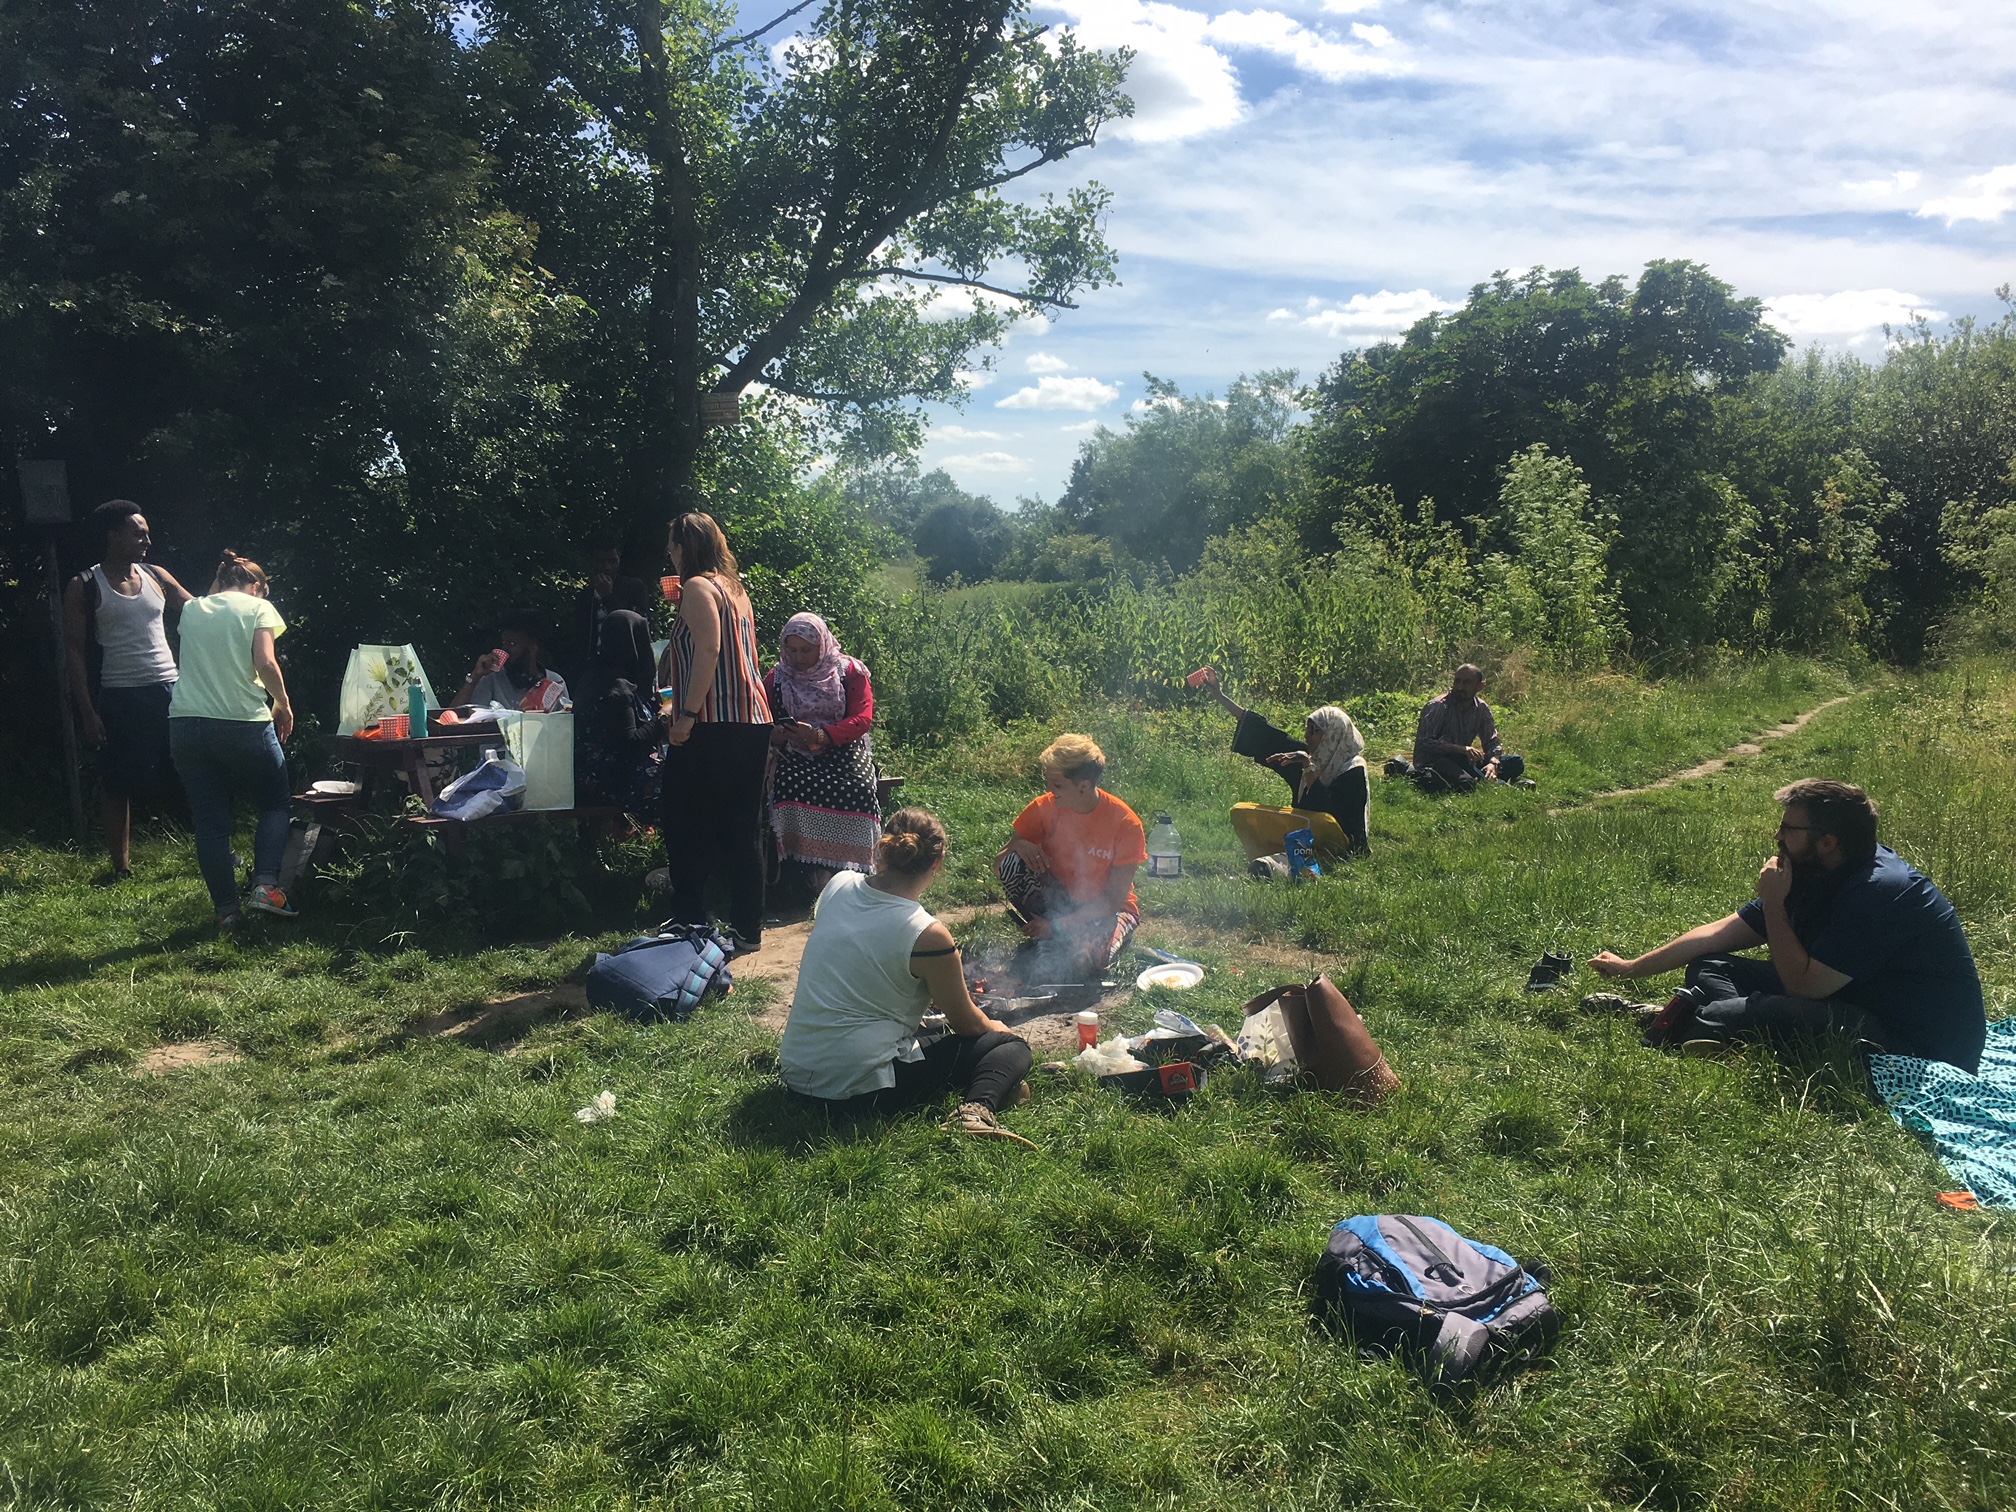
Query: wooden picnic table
x,y
410,757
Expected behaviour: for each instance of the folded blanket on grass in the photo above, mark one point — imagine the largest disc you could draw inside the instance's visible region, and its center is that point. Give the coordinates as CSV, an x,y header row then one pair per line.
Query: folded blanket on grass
x,y
1971,1119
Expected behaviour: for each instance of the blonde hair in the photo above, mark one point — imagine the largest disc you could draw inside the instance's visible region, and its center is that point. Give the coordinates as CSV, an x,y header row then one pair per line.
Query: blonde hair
x,y
913,842
237,573
1077,757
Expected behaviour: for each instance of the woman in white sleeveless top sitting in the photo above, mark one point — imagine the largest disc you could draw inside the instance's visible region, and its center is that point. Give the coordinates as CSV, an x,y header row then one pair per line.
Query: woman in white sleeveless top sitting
x,y
875,963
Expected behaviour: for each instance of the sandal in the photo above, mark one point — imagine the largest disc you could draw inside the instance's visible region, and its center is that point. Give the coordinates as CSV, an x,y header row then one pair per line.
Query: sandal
x,y
978,1120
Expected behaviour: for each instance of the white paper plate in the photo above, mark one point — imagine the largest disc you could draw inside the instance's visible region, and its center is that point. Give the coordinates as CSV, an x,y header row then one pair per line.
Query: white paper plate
x,y
335,789
1175,975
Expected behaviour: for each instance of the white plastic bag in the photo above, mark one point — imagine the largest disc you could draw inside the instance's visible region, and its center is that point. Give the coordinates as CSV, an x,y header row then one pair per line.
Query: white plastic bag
x,y
543,744
602,1109
375,681
1109,1059
495,784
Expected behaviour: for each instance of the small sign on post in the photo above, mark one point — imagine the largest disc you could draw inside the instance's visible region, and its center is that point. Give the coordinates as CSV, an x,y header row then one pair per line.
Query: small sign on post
x,y
45,492
719,410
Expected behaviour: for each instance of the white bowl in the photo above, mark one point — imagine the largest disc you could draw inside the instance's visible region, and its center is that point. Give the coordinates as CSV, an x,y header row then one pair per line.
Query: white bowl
x,y
335,789
1175,975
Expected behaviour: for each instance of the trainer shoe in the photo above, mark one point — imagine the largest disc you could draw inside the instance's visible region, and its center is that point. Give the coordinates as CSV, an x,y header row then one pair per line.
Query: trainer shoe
x,y
977,1120
269,899
1548,971
1616,1002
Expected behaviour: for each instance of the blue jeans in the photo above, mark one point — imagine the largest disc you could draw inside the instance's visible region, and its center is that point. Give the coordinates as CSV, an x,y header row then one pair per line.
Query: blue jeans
x,y
217,760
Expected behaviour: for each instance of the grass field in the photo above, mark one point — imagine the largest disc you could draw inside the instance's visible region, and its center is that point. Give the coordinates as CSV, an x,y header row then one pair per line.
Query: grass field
x,y
364,1267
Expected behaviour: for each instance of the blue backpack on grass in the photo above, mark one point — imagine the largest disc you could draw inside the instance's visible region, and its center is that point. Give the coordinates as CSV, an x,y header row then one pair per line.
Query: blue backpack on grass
x,y
661,976
1416,1287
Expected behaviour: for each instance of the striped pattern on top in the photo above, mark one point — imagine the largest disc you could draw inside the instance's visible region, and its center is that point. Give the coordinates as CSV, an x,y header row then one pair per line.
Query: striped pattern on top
x,y
736,696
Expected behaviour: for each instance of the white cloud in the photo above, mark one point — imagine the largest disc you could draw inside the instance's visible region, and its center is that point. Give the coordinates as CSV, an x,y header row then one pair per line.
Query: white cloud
x,y
1312,52
986,462
1372,36
966,433
975,378
1365,316
947,302
1350,7
1181,85
1061,393
1900,182
1043,362
1984,197
1851,317
1081,428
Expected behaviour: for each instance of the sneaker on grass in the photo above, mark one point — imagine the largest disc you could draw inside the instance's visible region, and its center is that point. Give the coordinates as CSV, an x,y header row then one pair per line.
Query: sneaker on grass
x,y
271,900
1617,1003
978,1120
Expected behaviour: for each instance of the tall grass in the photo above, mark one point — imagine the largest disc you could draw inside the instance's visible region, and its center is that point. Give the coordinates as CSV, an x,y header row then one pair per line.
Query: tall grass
x,y
1275,622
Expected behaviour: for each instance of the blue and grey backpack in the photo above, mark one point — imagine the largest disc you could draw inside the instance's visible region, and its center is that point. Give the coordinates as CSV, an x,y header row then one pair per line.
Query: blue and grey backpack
x,y
661,976
1415,1286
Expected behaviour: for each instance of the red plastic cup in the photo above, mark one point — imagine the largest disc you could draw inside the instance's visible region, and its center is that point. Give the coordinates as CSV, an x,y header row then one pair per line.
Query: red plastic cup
x,y
669,587
401,727
1196,679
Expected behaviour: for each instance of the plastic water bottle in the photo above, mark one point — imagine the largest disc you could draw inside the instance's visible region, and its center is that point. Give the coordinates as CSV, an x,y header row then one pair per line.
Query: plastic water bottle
x,y
416,710
1088,1029
1165,849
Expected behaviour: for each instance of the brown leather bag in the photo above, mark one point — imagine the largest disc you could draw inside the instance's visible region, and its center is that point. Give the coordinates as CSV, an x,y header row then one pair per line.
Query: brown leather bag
x,y
1332,1044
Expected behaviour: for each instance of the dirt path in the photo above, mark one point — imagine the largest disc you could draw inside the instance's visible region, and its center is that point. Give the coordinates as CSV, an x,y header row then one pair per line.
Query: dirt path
x,y
1720,763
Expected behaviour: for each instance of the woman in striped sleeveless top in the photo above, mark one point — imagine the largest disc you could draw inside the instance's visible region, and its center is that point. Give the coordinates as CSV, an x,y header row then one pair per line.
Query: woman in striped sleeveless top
x,y
718,722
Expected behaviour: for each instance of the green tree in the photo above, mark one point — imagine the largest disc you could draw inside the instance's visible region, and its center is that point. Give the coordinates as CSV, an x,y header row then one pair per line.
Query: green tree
x,y
1622,379
1187,469
1552,589
775,212
249,276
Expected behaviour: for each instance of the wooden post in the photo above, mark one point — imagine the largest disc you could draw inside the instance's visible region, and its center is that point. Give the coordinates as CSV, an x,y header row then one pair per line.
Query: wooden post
x,y
45,500
64,714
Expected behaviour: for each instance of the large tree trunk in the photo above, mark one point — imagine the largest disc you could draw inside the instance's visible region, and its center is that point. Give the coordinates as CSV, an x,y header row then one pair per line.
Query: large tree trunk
x,y
664,478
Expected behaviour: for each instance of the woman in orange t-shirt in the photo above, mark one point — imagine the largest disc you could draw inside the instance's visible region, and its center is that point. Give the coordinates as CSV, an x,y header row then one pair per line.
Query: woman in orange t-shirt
x,y
1069,870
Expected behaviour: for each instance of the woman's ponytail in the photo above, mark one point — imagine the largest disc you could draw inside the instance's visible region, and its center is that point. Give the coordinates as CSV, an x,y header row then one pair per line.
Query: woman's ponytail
x,y
235,572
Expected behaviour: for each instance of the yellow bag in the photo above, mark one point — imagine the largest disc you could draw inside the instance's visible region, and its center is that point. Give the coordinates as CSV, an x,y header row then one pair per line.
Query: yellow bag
x,y
1264,830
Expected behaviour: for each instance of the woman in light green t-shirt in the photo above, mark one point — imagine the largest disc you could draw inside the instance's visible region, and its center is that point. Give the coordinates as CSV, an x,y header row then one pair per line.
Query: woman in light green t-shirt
x,y
225,738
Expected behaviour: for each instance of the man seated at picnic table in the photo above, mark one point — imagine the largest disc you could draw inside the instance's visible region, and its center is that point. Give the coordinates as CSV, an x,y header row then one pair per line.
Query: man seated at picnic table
x,y
520,678
607,591
1068,871
1859,942
1456,743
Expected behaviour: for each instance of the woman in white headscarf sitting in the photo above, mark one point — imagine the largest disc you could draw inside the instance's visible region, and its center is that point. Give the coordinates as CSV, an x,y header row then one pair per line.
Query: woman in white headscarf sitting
x,y
1325,770
822,799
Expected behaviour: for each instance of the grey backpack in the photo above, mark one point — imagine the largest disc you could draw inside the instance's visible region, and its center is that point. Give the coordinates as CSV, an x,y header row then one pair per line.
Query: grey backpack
x,y
1415,1287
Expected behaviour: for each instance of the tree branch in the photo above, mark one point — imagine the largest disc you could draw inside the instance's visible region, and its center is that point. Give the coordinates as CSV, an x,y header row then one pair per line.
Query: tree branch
x,y
1053,300
732,42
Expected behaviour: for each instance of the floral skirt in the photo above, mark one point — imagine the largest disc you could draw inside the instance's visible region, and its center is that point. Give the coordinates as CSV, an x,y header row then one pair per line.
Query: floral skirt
x,y
823,807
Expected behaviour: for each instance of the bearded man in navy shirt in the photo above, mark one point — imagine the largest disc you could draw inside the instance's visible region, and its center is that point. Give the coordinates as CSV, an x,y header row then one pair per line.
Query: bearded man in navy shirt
x,y
1859,942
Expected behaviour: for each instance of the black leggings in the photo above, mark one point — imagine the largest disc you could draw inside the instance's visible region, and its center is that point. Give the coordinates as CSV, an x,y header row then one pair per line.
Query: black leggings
x,y
986,1068
713,821
1737,996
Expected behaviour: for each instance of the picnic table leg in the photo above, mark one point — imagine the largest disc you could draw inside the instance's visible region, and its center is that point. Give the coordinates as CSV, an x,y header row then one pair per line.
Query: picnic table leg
x,y
416,773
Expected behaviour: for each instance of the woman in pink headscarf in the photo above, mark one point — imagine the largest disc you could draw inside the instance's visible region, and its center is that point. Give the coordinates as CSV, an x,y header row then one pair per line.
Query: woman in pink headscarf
x,y
822,799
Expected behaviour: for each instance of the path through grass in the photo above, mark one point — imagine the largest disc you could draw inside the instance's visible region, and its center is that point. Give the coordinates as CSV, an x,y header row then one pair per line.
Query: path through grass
x,y
360,1270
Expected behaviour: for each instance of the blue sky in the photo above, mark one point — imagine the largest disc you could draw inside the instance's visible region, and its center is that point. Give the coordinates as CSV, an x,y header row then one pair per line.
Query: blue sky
x,y
1303,177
